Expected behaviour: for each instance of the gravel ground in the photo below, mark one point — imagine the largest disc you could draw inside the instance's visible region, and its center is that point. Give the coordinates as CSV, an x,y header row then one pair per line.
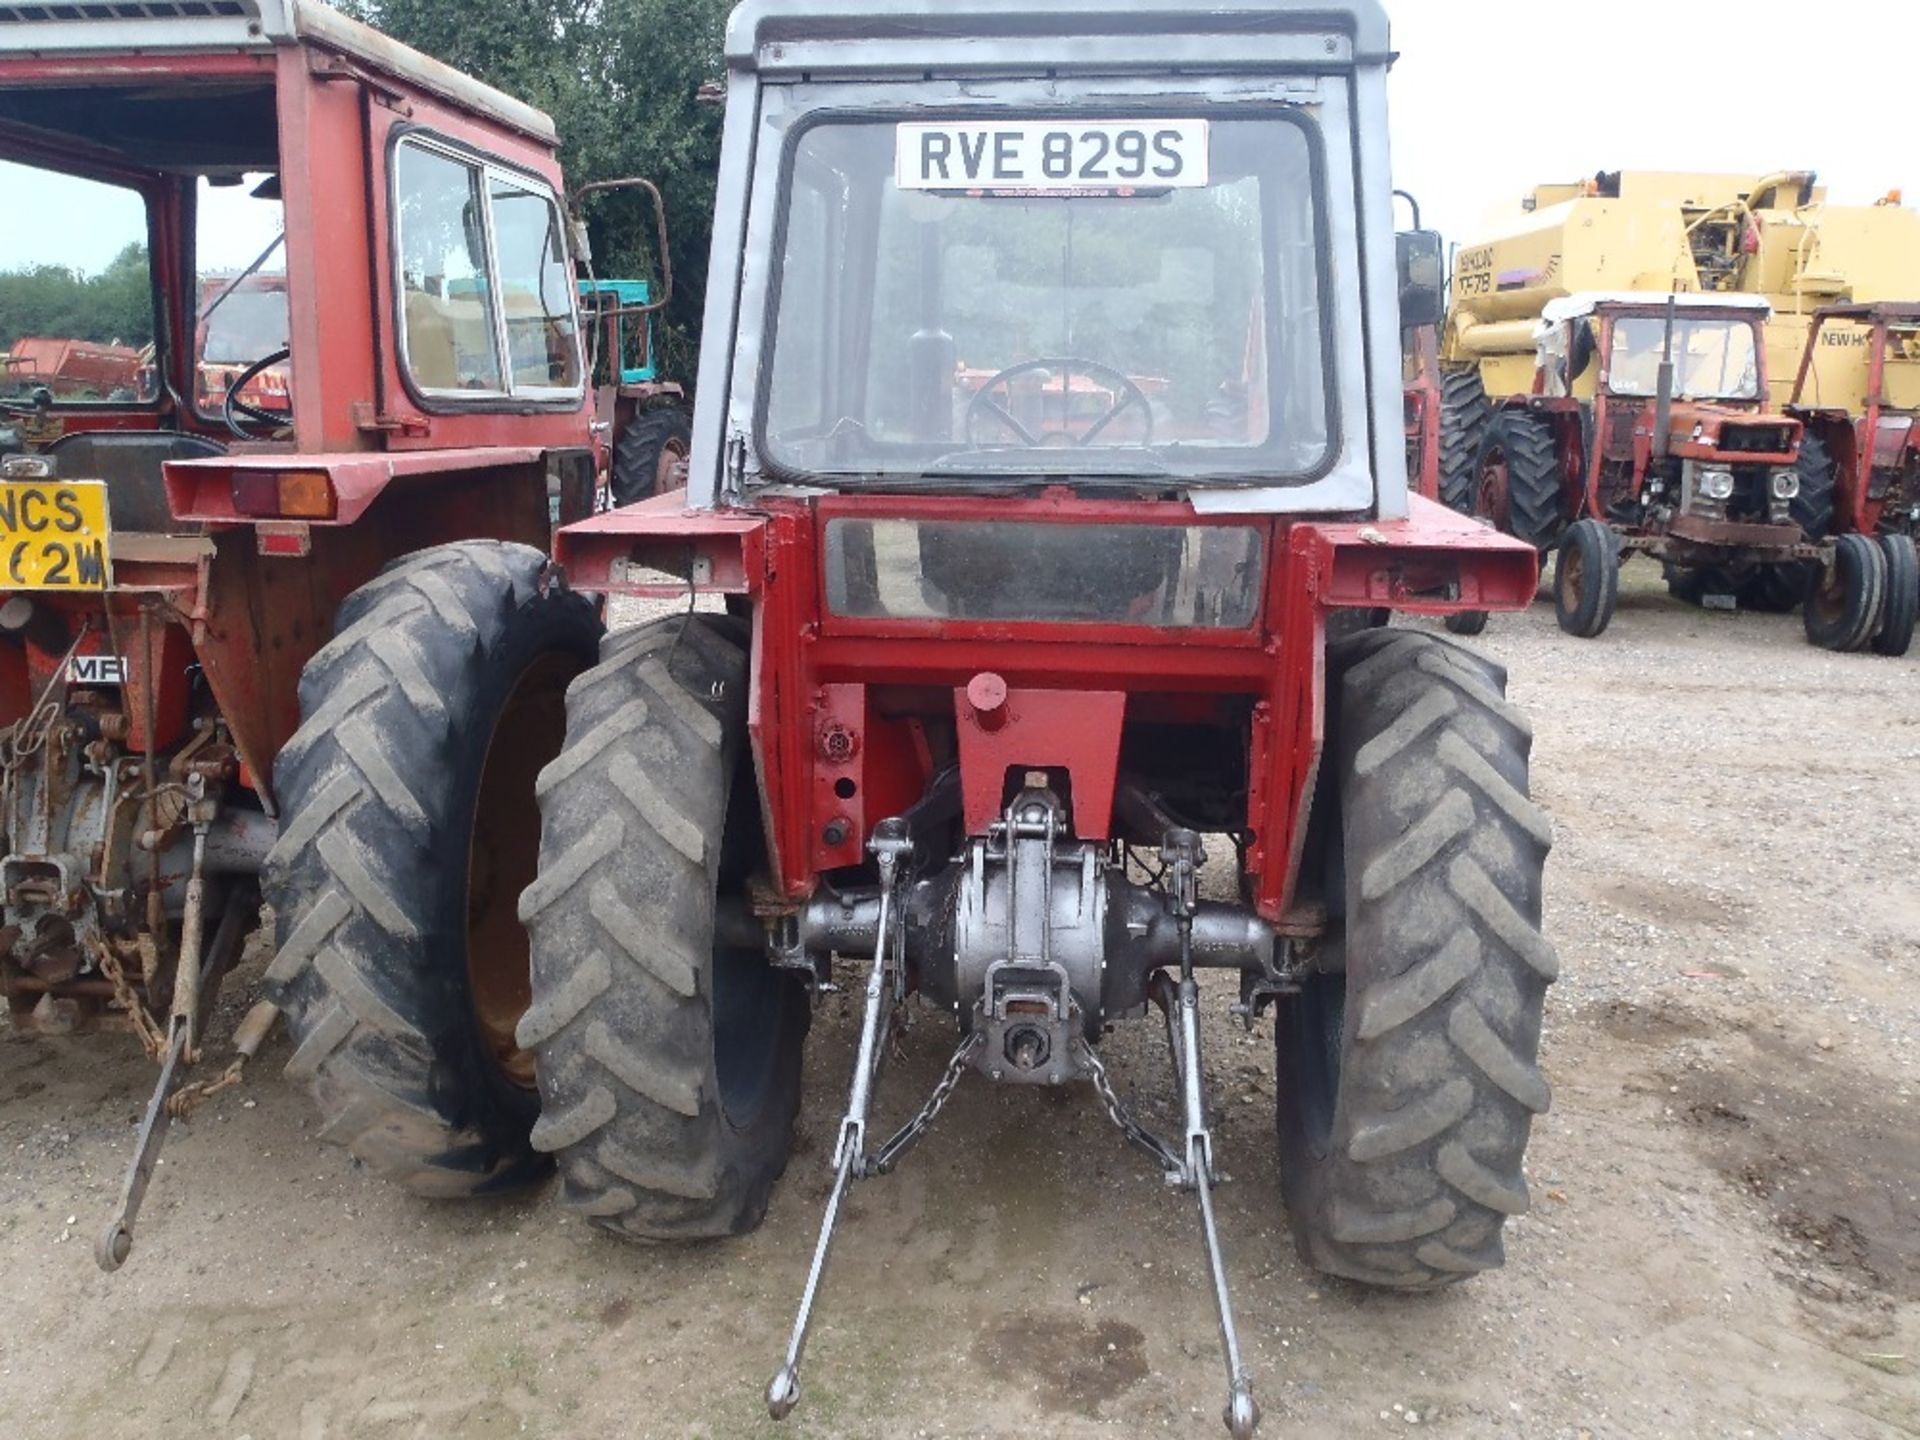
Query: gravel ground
x,y
1725,1238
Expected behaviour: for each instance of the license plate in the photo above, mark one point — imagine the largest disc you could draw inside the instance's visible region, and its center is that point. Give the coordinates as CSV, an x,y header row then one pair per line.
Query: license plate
x,y
1036,157
53,535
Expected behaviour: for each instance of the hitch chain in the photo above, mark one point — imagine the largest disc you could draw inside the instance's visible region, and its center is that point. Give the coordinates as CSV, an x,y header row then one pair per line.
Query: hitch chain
x,y
189,1098
908,1134
247,1040
1137,1134
153,1039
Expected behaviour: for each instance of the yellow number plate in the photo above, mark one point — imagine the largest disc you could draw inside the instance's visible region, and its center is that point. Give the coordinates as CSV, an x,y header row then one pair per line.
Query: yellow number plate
x,y
53,535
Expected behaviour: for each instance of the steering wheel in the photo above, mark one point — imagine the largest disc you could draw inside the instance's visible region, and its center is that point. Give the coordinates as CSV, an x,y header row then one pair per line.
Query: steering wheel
x,y
235,407
983,405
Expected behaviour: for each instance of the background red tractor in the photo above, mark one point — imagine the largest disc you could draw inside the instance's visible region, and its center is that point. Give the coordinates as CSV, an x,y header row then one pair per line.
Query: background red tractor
x,y
317,640
1857,392
642,414
1648,433
1029,687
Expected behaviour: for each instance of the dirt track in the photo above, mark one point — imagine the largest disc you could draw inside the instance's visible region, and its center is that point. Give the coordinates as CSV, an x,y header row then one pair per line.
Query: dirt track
x,y
1725,1237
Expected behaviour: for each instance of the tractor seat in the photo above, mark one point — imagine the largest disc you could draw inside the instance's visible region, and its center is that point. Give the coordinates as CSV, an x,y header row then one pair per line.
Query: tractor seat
x,y
130,462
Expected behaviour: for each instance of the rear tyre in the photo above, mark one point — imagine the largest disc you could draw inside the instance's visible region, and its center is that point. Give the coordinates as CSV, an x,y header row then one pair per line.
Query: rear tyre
x,y
1464,411
1845,599
1520,483
1812,508
1903,596
650,455
407,834
669,1059
1466,622
1586,578
1408,1084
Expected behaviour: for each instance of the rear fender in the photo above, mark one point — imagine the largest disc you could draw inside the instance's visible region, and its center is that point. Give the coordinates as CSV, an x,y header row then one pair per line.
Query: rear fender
x,y
1434,562
660,550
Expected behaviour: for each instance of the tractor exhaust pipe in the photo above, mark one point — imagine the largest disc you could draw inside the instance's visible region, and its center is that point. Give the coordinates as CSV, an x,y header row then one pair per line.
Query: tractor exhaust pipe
x,y
1663,387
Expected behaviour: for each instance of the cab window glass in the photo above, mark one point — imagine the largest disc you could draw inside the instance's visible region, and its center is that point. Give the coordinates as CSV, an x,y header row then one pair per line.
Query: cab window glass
x,y
488,307
241,321
76,297
807,296
447,305
543,350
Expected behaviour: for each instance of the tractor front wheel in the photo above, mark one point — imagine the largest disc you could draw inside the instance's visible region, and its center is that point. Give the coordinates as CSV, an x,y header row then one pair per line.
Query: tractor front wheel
x,y
1845,597
1586,578
407,834
1407,1080
669,1048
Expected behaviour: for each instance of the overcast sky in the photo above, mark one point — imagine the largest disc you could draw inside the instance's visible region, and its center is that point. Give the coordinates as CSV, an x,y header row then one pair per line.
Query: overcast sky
x,y
1492,97
1489,98
60,220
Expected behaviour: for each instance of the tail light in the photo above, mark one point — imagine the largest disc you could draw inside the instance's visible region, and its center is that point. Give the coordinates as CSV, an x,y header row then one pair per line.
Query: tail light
x,y
284,494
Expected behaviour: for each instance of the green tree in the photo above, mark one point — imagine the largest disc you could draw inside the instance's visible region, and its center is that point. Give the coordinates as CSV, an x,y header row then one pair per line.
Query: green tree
x,y
113,307
620,78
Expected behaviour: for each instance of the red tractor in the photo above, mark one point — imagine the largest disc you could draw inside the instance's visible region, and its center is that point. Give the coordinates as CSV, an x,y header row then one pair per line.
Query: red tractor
x,y
1858,394
1029,688
240,318
1647,433
316,644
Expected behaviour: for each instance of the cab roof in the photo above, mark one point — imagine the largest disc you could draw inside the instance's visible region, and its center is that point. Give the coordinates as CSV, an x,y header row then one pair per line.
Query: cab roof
x,y
185,27
1573,307
761,32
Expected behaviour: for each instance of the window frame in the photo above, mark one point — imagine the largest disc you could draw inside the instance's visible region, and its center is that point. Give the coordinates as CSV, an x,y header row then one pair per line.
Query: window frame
x,y
1752,325
215,414
511,398
29,157
778,472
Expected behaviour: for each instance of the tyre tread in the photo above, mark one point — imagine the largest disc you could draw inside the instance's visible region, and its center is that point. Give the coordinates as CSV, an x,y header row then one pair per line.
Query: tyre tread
x,y
632,813
349,875
1439,1080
